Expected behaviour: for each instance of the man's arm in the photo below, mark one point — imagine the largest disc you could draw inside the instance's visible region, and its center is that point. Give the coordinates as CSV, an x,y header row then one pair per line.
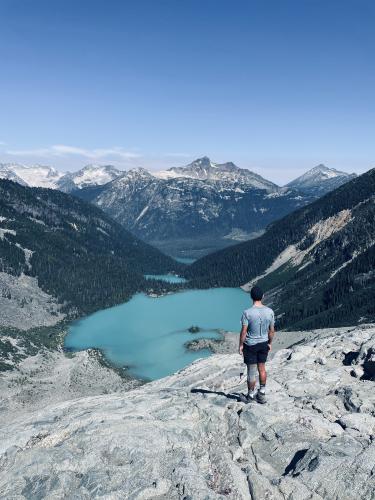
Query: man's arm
x,y
243,334
271,334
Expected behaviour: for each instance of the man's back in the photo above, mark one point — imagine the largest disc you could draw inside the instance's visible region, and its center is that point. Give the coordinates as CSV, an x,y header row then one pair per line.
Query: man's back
x,y
258,319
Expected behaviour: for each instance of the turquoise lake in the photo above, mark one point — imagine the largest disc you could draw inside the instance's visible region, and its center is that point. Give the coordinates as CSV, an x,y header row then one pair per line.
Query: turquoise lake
x,y
185,260
148,334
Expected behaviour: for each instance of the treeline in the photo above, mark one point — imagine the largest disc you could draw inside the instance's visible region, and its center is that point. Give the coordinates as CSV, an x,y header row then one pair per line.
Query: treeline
x,y
79,255
235,265
315,295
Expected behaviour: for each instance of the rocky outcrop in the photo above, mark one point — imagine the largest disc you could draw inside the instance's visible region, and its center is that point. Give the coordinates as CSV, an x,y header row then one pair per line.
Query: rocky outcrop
x,y
24,305
49,377
188,437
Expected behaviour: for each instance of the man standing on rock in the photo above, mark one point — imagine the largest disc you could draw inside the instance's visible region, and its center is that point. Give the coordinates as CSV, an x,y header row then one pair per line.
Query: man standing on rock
x,y
257,332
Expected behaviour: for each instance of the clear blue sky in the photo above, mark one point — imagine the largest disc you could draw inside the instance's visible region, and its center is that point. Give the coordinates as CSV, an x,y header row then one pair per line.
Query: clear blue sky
x,y
276,86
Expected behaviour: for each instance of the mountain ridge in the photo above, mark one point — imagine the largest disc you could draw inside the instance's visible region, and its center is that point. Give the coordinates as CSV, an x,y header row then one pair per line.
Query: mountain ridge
x,y
167,210
204,169
309,261
63,256
201,168
191,210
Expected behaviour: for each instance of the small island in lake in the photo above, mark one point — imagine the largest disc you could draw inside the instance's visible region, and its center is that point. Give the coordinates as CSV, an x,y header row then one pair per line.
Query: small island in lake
x,y
194,329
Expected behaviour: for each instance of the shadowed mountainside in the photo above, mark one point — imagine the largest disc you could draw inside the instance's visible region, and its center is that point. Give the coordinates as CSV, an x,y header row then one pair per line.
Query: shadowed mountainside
x,y
316,263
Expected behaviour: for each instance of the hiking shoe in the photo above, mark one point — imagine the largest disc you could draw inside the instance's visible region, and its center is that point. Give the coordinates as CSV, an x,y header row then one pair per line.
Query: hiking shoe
x,y
261,398
246,399
250,399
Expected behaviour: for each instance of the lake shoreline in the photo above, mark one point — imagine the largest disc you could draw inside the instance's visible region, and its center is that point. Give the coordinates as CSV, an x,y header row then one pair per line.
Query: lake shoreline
x,y
149,334
228,344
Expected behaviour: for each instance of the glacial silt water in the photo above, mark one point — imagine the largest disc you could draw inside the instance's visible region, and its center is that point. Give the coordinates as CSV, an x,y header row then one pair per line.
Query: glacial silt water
x,y
185,260
148,334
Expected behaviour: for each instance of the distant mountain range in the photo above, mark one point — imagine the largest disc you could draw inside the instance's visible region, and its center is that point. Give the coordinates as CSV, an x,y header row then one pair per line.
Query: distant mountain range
x,y
201,207
196,209
62,256
49,177
317,264
32,176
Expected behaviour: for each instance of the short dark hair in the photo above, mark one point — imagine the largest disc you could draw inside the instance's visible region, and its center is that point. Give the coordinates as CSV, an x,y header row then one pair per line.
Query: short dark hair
x,y
256,293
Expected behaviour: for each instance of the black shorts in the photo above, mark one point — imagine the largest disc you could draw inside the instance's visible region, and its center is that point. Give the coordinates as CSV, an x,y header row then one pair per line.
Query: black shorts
x,y
256,353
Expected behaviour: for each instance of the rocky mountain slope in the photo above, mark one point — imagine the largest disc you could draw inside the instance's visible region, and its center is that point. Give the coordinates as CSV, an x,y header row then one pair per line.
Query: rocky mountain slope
x,y
318,264
60,255
205,170
187,436
201,206
320,180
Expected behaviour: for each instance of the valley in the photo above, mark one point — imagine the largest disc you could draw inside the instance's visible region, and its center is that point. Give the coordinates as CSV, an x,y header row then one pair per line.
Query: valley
x,y
112,348
191,210
187,250
64,259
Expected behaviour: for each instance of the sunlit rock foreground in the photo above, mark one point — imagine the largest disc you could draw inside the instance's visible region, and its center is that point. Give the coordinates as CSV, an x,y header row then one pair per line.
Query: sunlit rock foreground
x,y
187,437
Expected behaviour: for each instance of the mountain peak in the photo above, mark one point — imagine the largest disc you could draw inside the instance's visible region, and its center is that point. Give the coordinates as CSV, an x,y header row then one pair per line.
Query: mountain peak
x,y
203,161
89,176
206,170
321,178
321,166
140,171
199,163
135,173
96,166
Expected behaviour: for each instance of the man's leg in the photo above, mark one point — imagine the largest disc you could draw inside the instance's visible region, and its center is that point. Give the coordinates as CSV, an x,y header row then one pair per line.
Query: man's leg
x,y
251,380
262,375
261,395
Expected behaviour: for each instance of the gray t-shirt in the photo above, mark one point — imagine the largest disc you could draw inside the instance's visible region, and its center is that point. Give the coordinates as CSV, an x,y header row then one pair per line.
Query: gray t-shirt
x,y
258,320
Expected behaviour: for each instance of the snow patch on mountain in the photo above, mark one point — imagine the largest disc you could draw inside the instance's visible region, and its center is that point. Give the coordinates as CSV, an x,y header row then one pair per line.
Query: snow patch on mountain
x,y
165,174
32,176
28,254
144,210
88,176
3,232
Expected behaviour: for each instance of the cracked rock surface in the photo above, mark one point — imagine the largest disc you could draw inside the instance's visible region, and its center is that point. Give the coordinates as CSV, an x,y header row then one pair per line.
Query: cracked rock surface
x,y
187,437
